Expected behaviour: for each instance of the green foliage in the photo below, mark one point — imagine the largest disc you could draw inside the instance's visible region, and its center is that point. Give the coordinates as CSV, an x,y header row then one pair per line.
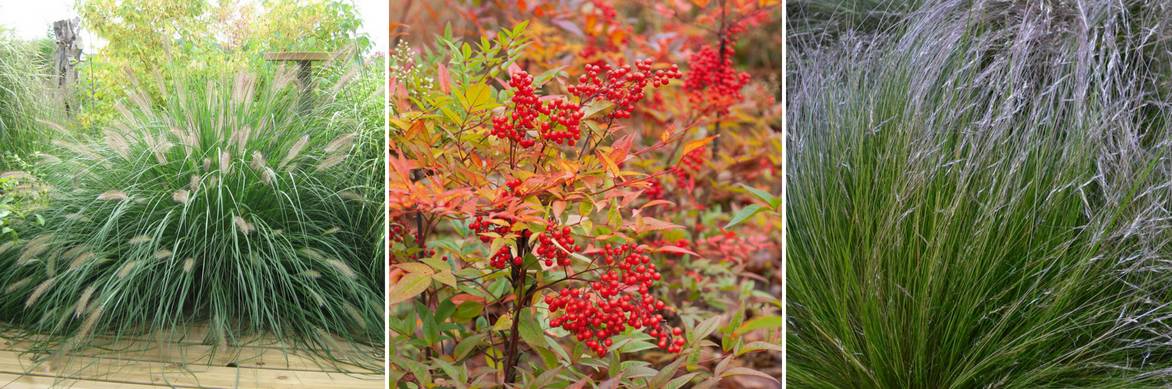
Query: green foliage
x,y
201,39
978,201
25,98
223,205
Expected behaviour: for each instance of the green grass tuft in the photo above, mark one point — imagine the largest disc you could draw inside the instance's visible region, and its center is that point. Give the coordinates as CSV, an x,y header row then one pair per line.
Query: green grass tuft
x,y
979,198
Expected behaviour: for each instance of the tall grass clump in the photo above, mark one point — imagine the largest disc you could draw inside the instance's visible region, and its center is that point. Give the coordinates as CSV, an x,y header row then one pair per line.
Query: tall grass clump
x,y
981,200
224,206
25,98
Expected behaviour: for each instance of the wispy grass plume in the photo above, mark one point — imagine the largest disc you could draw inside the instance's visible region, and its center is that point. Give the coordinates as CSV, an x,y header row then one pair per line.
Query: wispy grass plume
x,y
979,198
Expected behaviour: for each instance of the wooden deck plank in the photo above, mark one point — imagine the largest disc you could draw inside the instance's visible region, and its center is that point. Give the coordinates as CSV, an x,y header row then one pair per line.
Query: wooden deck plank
x,y
38,382
180,375
249,357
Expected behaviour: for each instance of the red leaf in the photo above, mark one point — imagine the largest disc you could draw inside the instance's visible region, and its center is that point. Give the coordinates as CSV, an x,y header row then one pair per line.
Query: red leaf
x,y
676,250
445,80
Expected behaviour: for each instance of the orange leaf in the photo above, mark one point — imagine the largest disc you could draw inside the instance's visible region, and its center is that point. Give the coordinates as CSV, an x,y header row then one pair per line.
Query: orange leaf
x,y
698,143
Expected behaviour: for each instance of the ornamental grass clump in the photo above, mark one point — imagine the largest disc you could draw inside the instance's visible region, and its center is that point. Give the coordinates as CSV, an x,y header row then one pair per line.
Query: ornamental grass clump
x,y
25,98
981,200
222,205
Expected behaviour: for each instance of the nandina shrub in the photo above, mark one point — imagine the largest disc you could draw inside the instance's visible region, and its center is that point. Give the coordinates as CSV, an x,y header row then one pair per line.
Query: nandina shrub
x,y
226,206
531,241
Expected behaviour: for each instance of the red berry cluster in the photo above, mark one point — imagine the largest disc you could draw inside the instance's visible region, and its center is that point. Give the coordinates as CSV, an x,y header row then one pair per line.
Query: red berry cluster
x,y
503,257
622,86
397,233
481,227
514,127
564,114
655,191
563,117
689,164
620,298
550,252
712,83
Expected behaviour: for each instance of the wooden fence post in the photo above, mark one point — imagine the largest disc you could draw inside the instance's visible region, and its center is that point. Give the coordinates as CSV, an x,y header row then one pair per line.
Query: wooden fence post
x,y
304,61
65,58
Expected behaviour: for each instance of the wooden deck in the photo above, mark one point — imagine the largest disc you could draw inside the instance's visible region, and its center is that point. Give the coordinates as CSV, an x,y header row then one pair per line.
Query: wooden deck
x,y
140,363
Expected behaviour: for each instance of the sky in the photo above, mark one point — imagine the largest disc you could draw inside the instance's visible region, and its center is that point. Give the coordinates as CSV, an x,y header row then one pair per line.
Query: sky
x,y
34,19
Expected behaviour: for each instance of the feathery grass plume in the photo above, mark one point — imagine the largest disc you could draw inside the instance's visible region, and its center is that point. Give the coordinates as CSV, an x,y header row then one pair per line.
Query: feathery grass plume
x,y
4,248
258,162
225,160
341,267
15,286
88,324
293,152
74,251
18,175
330,161
351,196
126,268
83,301
243,226
249,230
310,274
39,291
343,143
35,247
354,313
977,197
181,196
113,195
140,240
81,259
117,142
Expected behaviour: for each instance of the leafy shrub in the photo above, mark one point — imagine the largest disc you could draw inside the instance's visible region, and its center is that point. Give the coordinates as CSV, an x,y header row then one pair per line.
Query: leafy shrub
x,y
225,205
556,200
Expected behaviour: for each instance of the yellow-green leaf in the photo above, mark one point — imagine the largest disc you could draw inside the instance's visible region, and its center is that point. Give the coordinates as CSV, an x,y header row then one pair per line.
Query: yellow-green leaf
x,y
503,323
409,286
445,277
476,97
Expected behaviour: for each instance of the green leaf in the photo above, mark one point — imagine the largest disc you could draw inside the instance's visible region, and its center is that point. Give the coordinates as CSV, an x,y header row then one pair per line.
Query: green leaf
x,y
760,322
530,331
680,381
759,346
773,201
466,346
445,310
595,107
661,378
743,214
408,287
705,328
468,310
